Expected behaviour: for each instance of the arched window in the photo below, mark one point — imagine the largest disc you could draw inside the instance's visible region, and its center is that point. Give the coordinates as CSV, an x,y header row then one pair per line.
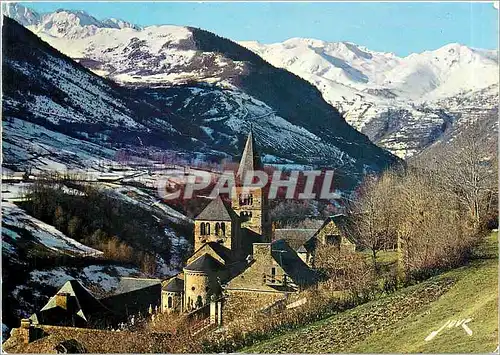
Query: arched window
x,y
250,200
223,227
250,214
217,228
169,302
242,214
207,228
202,228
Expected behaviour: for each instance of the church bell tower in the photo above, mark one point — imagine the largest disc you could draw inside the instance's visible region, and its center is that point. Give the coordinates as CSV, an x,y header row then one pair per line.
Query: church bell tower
x,y
251,205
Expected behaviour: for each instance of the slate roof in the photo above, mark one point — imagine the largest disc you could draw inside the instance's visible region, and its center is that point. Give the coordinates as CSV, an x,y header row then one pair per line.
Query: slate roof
x,y
82,306
250,159
294,237
290,262
221,250
204,263
134,295
175,284
129,284
217,210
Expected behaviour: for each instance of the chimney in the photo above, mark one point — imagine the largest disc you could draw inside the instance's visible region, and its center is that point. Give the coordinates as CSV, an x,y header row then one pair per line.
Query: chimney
x,y
25,330
62,300
261,250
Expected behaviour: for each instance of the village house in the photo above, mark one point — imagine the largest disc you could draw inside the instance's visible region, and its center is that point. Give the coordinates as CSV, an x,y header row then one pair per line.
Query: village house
x,y
74,305
335,230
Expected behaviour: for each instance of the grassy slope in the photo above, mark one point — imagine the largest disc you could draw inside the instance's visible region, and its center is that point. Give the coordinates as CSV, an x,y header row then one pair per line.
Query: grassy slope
x,y
400,323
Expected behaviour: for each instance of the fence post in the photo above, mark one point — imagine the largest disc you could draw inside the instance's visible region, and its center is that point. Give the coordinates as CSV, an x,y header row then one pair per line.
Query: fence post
x,y
213,312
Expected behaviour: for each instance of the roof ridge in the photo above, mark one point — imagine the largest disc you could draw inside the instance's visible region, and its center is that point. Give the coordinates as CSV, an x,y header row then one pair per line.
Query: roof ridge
x,y
140,278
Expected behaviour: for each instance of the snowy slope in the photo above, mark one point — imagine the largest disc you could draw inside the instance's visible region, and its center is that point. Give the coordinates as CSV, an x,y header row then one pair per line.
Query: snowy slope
x,y
122,51
445,72
15,219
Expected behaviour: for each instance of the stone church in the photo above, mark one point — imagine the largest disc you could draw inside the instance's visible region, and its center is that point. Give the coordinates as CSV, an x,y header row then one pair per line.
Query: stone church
x,y
235,252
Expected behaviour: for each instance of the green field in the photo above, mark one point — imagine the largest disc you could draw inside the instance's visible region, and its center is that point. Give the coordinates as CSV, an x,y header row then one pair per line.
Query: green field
x,y
401,322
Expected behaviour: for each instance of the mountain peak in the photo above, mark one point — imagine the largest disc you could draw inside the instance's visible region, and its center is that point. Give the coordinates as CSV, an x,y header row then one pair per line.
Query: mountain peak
x,y
69,23
62,22
20,13
119,23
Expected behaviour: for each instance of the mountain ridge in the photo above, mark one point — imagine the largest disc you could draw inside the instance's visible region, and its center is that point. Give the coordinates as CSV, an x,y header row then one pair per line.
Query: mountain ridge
x,y
378,93
193,119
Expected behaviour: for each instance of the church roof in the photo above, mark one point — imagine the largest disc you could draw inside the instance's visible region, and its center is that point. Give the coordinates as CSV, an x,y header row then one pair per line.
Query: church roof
x,y
221,250
175,284
129,284
204,263
290,262
250,159
217,248
216,210
294,237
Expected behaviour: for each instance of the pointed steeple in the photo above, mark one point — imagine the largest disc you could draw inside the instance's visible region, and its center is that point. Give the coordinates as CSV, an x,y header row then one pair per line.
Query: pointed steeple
x,y
250,159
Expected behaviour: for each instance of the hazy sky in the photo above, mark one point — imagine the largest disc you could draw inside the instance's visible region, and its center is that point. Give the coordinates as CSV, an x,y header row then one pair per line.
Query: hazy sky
x,y
401,28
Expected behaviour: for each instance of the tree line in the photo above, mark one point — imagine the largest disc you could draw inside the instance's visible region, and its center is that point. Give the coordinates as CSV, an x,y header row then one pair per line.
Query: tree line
x,y
432,212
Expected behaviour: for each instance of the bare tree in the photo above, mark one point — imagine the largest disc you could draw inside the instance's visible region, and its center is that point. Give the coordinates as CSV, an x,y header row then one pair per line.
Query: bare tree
x,y
372,213
467,166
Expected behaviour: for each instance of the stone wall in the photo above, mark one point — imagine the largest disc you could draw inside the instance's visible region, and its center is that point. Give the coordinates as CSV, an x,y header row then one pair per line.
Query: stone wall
x,y
239,305
204,284
176,302
332,229
197,288
259,222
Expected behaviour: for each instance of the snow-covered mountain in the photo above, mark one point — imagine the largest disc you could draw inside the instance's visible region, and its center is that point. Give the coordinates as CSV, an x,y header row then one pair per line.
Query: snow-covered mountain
x,y
445,72
401,103
376,92
61,23
291,121
21,14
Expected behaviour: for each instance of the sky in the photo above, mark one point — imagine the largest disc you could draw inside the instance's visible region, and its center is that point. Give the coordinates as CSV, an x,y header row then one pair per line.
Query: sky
x,y
401,28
